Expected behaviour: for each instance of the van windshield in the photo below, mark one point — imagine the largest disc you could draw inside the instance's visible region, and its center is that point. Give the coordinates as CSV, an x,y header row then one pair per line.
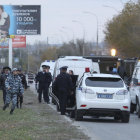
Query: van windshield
x,y
104,82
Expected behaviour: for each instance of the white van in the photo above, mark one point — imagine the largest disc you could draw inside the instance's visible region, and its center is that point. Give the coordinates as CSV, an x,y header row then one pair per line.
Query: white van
x,y
77,64
50,63
135,89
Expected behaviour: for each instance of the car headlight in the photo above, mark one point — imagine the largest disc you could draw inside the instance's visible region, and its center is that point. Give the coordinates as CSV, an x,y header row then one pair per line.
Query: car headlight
x,y
122,92
87,90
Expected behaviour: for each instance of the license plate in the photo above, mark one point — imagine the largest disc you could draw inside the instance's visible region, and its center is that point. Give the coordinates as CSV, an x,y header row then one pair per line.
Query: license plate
x,y
105,96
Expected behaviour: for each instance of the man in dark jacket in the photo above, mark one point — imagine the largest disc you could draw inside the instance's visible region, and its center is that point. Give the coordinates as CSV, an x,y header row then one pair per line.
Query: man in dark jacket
x,y
121,70
24,83
5,73
63,86
44,78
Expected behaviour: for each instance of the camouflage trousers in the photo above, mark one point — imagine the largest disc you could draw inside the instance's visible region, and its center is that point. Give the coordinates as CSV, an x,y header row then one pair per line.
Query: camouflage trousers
x,y
11,98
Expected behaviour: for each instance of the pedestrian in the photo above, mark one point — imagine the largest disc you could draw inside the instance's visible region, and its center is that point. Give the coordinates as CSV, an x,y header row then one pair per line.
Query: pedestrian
x,y
44,78
14,87
24,83
5,73
63,86
121,70
71,97
71,72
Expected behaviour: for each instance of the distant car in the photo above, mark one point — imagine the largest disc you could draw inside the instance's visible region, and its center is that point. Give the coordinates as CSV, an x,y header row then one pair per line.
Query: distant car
x,y
102,95
31,78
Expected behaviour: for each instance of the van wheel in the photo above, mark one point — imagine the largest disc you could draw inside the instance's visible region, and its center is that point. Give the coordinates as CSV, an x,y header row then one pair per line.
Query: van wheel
x,y
57,108
137,105
132,108
72,114
78,116
125,117
139,113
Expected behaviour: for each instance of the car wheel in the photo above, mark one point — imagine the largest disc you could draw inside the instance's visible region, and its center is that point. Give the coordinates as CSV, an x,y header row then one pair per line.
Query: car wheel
x,y
117,117
78,115
125,117
132,108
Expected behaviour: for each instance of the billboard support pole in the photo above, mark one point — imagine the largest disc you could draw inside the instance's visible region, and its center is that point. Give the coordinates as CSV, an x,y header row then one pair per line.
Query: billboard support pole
x,y
10,53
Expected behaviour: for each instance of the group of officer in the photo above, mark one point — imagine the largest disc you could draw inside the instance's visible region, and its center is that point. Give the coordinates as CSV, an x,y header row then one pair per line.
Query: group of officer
x,y
12,83
62,86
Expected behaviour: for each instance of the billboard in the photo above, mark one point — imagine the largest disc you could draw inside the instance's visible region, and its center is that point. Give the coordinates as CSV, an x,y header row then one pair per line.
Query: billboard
x,y
17,42
20,19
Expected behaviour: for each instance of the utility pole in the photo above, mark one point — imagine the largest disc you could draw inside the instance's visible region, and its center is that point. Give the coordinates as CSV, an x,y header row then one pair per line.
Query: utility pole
x,y
10,53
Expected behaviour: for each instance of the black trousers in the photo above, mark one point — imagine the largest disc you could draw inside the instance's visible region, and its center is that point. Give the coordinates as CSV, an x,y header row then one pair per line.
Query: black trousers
x,y
63,102
4,96
19,101
45,94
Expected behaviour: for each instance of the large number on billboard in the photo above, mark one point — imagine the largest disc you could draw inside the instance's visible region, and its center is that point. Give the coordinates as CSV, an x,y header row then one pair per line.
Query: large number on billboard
x,y
20,20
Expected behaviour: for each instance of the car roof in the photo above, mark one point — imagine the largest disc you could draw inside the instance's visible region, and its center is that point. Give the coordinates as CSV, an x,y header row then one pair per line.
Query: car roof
x,y
101,75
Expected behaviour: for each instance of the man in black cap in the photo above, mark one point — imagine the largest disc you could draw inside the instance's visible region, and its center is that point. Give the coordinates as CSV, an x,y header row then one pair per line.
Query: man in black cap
x,y
44,78
63,86
24,83
5,73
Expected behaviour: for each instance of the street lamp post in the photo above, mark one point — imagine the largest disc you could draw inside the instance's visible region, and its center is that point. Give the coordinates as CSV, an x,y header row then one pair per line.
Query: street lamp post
x,y
65,34
97,37
63,27
111,8
83,33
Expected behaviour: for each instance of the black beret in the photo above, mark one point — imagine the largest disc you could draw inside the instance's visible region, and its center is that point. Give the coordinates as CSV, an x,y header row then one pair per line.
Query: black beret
x,y
7,68
64,68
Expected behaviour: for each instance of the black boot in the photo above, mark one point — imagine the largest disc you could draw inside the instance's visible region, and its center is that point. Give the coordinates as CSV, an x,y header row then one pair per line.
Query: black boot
x,y
20,105
5,106
11,112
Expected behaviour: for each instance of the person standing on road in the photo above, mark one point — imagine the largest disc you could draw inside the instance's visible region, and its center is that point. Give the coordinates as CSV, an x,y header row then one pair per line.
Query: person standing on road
x,y
44,79
63,86
71,98
14,87
24,83
5,73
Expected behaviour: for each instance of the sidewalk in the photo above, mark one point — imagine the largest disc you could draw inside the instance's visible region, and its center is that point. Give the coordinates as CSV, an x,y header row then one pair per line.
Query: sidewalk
x,y
36,122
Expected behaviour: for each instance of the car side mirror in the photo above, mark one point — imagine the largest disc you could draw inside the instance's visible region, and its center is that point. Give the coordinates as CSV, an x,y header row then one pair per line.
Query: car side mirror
x,y
135,81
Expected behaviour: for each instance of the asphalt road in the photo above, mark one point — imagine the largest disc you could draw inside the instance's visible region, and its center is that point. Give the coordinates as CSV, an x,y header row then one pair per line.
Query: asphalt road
x,y
109,129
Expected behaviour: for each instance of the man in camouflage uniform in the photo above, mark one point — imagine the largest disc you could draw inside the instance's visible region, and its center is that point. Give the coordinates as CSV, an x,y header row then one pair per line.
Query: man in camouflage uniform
x,y
13,86
5,73
24,83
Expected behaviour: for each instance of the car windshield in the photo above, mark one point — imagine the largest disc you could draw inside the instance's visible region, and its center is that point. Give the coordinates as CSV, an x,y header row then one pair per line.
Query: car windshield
x,y
104,82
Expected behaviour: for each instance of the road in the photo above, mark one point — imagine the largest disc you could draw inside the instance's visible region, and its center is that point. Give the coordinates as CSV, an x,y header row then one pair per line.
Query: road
x,y
109,129
106,128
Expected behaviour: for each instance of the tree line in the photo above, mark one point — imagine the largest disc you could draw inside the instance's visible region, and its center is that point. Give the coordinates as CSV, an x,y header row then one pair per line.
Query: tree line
x,y
123,31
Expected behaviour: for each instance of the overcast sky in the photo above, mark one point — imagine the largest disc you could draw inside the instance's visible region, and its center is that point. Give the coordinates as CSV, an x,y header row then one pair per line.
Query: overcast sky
x,y
63,20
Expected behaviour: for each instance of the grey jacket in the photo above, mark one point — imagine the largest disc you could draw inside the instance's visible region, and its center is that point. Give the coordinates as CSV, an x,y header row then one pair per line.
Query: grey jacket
x,y
14,83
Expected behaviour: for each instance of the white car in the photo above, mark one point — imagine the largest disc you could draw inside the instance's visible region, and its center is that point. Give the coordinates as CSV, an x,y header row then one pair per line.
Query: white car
x,y
135,90
102,95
